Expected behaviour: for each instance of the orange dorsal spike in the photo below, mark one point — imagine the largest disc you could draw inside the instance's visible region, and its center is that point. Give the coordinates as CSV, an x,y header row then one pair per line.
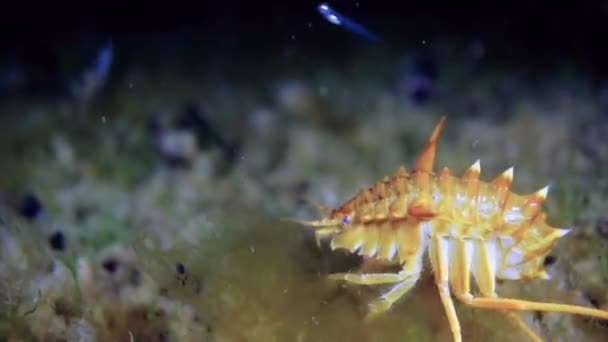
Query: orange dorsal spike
x,y
502,183
379,190
541,195
425,160
505,179
472,173
366,196
534,201
471,178
444,172
401,172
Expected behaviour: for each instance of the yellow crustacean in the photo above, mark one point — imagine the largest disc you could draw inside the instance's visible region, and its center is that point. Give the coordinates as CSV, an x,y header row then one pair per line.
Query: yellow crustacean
x,y
467,225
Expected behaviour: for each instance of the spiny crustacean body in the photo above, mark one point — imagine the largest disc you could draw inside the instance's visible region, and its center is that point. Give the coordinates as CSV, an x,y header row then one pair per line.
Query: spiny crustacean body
x,y
469,227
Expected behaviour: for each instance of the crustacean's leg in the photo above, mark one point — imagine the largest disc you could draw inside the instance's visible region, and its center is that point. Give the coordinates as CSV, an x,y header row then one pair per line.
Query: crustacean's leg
x,y
323,227
524,305
403,281
484,271
438,253
368,278
517,321
388,299
323,232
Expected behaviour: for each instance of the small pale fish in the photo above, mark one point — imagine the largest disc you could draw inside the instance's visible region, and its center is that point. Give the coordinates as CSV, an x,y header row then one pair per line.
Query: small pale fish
x,y
336,18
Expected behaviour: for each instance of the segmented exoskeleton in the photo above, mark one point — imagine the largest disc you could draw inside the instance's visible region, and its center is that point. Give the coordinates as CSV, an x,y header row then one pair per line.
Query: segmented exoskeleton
x,y
468,227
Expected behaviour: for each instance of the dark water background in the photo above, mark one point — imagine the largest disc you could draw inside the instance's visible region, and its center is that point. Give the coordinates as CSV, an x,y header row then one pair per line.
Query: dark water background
x,y
45,39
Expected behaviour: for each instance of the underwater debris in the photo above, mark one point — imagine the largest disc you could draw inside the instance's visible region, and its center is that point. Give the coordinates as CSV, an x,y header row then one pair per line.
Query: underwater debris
x,y
178,148
296,98
194,119
30,206
57,241
137,323
180,141
593,137
134,277
192,280
593,300
418,82
601,227
180,268
549,260
26,205
110,265
181,275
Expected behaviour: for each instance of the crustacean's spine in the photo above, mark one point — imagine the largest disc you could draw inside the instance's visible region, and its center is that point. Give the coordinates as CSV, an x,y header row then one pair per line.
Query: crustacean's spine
x,y
392,219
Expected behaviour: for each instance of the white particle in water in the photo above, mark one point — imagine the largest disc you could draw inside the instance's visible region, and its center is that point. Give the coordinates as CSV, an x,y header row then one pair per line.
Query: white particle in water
x,y
323,90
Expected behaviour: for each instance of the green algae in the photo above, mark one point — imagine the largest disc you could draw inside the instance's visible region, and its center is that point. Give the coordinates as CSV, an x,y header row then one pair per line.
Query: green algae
x,y
266,281
248,275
